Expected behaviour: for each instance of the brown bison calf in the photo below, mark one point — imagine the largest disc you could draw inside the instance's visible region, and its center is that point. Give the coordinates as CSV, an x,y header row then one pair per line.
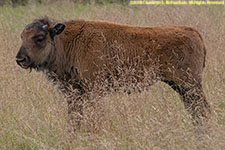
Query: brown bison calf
x,y
77,52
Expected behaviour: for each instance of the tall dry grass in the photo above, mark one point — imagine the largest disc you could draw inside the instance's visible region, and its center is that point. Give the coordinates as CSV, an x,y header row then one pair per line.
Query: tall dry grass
x,y
33,114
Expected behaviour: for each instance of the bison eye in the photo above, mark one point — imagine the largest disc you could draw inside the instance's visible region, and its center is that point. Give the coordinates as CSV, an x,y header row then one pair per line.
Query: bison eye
x,y
39,40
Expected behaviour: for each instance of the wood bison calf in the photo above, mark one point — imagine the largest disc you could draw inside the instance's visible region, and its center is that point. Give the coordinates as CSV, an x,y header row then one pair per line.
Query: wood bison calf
x,y
77,52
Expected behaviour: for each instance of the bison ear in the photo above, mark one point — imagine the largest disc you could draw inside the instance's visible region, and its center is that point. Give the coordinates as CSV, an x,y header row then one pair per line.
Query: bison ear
x,y
57,29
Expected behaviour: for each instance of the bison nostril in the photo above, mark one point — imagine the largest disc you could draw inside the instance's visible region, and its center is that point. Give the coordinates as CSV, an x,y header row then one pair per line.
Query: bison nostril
x,y
23,60
20,60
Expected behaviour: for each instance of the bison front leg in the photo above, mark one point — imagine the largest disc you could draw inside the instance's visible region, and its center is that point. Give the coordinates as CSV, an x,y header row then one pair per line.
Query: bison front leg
x,y
75,112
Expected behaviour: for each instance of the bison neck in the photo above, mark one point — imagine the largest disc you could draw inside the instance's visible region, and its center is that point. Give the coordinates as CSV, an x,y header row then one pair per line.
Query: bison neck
x,y
62,69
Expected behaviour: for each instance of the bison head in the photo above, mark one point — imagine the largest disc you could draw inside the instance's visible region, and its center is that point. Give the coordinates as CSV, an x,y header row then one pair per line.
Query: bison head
x,y
37,43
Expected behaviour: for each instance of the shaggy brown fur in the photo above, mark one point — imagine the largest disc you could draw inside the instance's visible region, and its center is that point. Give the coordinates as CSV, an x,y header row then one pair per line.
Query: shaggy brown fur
x,y
86,49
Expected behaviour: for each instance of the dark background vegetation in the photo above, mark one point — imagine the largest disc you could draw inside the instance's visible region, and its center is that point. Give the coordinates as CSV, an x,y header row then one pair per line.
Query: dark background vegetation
x,y
15,3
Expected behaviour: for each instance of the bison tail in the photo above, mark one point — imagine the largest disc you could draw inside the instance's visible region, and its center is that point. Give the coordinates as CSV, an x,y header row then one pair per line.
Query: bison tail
x,y
204,57
204,49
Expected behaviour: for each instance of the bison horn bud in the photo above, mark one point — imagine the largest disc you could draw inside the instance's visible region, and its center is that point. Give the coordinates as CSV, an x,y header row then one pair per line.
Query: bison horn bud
x,y
44,27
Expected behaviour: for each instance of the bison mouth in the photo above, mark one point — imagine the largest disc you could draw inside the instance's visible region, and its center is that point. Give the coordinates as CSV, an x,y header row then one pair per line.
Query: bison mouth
x,y
23,63
26,62
24,66
28,65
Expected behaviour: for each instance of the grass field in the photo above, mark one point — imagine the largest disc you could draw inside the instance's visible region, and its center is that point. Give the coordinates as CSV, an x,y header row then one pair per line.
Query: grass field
x,y
33,113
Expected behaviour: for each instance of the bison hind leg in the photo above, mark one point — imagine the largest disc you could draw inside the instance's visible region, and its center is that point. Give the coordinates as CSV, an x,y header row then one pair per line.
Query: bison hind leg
x,y
194,101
